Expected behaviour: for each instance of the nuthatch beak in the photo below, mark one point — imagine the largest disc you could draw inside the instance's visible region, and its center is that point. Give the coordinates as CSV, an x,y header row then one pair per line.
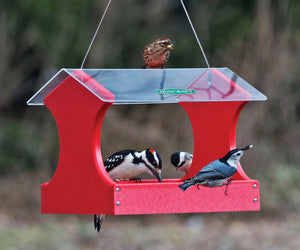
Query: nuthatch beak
x,y
248,147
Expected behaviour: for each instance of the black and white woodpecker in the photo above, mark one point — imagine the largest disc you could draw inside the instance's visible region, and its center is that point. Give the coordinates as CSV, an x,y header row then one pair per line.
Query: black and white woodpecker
x,y
182,161
217,172
127,165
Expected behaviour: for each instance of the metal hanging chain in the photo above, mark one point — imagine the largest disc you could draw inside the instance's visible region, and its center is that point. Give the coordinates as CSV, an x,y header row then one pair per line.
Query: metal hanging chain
x,y
198,41
99,25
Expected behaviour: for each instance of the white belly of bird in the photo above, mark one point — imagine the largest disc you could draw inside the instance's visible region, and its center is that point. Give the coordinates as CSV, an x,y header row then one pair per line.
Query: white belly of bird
x,y
127,171
219,182
185,167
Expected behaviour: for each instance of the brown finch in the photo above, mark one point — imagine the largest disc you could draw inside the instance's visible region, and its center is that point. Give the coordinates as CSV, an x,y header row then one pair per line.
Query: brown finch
x,y
157,53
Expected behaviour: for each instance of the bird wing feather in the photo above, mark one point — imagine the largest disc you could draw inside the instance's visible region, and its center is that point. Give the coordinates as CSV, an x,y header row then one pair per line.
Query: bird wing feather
x,y
116,159
215,171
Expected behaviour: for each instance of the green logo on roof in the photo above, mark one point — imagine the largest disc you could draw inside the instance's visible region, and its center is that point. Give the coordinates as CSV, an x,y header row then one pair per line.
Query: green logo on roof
x,y
176,91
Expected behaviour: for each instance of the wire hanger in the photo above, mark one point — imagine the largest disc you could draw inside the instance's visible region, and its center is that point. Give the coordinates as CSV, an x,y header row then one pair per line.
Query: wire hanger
x,y
190,22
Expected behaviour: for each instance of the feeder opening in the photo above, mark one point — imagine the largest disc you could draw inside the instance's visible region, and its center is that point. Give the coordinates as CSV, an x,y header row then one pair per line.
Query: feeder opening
x,y
138,127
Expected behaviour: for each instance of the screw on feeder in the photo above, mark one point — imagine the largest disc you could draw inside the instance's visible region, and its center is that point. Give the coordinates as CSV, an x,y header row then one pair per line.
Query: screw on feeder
x,y
118,203
255,186
118,189
255,200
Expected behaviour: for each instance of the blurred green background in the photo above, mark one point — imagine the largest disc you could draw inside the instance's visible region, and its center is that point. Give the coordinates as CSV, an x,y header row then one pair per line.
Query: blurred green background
x,y
258,40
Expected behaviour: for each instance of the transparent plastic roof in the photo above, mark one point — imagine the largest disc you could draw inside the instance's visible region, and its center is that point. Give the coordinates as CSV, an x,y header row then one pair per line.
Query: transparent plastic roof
x,y
124,86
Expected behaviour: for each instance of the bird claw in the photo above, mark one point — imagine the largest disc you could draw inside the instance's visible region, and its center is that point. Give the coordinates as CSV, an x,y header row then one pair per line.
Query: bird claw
x,y
226,184
226,190
137,179
198,186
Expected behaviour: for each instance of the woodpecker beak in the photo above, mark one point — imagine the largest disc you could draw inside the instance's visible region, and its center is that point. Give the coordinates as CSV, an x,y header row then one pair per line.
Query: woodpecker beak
x,y
157,174
170,46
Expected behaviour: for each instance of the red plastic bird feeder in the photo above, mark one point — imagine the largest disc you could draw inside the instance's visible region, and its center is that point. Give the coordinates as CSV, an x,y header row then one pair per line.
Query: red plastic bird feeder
x,y
79,99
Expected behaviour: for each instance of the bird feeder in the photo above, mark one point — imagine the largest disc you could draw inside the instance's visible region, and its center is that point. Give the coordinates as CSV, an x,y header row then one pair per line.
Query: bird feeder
x,y
78,99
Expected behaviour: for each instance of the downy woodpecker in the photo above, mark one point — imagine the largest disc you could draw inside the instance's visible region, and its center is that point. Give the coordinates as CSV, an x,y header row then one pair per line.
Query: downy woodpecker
x,y
217,172
182,161
128,164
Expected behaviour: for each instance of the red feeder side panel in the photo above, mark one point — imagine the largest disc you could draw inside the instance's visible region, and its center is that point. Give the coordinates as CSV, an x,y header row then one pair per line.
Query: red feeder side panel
x,y
80,184
214,129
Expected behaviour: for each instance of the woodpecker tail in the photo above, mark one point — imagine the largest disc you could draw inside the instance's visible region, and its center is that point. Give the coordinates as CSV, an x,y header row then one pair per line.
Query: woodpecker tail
x,y
186,185
98,219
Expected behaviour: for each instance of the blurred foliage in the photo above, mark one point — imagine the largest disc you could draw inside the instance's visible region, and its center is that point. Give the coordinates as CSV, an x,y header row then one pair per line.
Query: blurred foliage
x,y
285,188
14,150
259,40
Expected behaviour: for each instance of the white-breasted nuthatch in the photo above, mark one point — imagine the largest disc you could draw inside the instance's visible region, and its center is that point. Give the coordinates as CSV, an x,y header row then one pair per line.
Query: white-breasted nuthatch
x,y
128,164
217,172
182,161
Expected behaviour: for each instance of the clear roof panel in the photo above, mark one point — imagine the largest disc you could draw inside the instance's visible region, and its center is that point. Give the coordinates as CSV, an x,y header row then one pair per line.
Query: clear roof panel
x,y
124,86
